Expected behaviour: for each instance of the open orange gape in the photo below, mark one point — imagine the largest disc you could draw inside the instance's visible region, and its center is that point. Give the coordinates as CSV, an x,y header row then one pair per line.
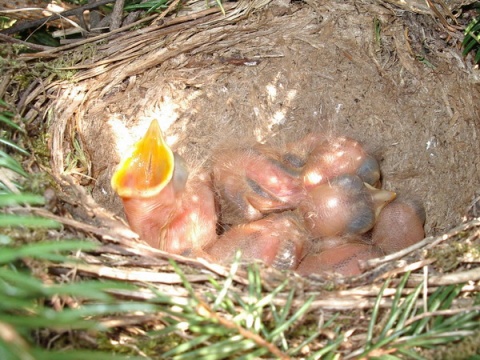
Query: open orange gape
x,y
163,205
148,169
312,206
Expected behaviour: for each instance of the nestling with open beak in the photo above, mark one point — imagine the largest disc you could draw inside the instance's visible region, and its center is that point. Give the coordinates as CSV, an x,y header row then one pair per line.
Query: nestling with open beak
x,y
279,240
399,225
168,209
344,205
252,181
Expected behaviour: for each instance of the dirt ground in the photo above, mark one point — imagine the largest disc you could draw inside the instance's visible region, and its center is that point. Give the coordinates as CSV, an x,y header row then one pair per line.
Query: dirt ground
x,y
289,69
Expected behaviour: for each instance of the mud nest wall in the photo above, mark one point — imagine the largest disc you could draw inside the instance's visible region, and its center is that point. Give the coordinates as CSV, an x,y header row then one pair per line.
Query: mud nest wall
x,y
273,76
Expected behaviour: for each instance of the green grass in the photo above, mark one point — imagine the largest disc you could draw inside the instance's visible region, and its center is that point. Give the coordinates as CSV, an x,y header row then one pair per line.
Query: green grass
x,y
149,6
410,326
25,299
471,41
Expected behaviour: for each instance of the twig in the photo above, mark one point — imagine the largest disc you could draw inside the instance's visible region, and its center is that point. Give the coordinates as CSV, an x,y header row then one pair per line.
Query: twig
x,y
34,23
447,312
404,269
441,17
12,40
104,232
129,320
127,238
164,13
192,17
337,303
455,278
133,275
373,290
117,15
8,183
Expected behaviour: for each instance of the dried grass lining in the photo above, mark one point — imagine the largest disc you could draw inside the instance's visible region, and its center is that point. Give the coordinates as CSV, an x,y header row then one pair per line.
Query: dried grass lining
x,y
127,259
122,257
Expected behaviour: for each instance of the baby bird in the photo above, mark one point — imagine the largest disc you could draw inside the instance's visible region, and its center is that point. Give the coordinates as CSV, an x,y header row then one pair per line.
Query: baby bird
x,y
279,240
326,243
323,158
169,210
342,259
399,225
345,205
252,181
296,153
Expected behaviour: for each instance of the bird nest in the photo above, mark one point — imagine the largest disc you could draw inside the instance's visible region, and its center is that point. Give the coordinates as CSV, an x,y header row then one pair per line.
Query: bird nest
x,y
273,71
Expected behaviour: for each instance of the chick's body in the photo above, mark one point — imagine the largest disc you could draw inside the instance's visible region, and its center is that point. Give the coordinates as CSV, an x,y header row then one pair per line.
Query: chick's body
x,y
192,222
252,181
323,158
342,259
278,240
167,208
345,205
399,225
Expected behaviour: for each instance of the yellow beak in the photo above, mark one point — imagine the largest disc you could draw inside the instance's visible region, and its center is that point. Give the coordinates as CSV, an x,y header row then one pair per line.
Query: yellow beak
x,y
148,169
380,198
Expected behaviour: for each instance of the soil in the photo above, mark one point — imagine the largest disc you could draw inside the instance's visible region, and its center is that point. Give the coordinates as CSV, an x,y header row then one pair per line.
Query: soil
x,y
292,68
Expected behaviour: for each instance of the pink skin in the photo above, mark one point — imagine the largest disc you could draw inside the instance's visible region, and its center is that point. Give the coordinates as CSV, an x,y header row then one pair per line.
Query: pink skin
x,y
278,240
399,225
327,243
298,152
252,182
343,206
323,158
341,259
179,223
